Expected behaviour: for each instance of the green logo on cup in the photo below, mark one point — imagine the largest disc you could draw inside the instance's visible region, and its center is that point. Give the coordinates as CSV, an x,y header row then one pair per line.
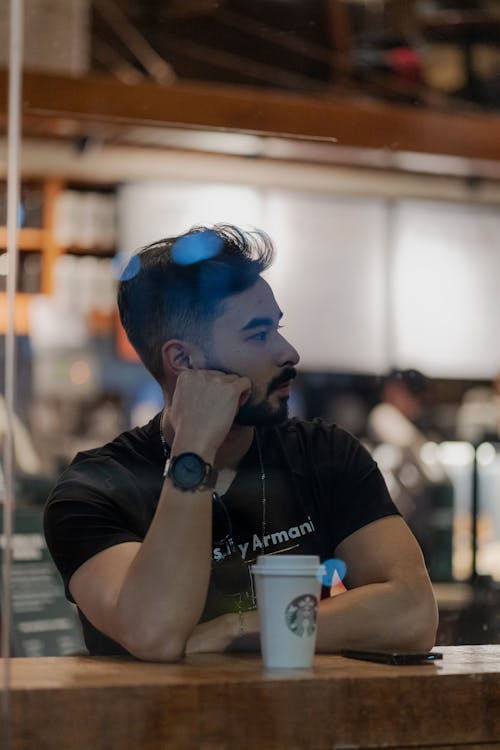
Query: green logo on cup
x,y
300,615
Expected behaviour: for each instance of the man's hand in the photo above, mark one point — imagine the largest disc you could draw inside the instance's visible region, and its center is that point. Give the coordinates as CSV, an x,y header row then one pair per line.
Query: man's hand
x,y
230,632
204,406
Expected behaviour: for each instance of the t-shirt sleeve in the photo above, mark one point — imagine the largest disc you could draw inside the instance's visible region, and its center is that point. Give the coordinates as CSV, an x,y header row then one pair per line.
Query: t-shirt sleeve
x,y
356,492
81,518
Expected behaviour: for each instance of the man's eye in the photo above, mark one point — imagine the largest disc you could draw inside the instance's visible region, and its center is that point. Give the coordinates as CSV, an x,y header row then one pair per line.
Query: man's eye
x,y
262,336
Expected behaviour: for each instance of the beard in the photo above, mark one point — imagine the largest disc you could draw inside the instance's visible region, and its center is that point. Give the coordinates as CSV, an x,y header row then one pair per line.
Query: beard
x,y
261,413
258,413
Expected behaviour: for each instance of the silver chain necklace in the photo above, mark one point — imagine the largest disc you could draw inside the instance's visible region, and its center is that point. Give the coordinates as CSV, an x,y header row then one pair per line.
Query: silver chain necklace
x,y
263,486
166,453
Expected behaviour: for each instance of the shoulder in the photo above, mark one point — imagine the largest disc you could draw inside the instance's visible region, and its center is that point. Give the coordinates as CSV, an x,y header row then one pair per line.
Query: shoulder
x,y
317,433
123,459
137,443
327,447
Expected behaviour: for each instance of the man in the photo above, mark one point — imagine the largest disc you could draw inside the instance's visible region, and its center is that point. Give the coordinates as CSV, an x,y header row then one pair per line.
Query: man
x,y
418,487
403,396
157,559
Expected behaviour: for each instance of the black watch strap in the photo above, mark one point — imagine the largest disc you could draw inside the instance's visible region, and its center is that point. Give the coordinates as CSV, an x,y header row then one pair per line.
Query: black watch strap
x,y
189,471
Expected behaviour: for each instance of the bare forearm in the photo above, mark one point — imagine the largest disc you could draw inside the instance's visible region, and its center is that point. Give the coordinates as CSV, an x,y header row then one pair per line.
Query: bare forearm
x,y
378,616
375,616
229,632
164,592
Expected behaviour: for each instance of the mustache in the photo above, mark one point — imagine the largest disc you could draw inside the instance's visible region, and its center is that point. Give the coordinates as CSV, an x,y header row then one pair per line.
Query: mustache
x,y
285,376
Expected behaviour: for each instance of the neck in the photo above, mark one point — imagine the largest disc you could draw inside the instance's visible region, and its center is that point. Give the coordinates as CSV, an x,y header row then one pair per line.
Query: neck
x,y
229,454
234,447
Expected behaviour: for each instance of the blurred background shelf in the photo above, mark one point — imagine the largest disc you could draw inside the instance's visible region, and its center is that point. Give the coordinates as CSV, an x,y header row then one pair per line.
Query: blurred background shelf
x,y
27,239
22,313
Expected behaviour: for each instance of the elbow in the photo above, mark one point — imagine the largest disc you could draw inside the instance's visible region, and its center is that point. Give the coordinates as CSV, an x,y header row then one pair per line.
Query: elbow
x,y
425,621
428,633
168,649
425,639
164,655
147,639
167,653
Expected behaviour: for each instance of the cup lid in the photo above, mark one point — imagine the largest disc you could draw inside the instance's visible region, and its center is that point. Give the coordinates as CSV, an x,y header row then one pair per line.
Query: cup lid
x,y
287,561
316,572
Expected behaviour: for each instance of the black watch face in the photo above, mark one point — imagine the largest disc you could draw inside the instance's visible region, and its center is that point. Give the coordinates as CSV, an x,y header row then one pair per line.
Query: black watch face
x,y
188,470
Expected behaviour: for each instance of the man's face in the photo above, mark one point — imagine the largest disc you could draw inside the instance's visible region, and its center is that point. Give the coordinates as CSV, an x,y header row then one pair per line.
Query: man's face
x,y
246,340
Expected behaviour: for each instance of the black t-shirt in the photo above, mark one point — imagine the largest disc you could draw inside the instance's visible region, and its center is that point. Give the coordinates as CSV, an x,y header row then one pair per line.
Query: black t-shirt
x,y
321,486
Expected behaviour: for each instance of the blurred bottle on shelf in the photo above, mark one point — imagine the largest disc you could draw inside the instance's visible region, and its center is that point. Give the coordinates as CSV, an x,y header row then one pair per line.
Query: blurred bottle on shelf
x,y
86,220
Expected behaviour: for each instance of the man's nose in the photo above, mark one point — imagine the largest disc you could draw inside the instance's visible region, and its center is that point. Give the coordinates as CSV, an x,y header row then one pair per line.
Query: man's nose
x,y
287,354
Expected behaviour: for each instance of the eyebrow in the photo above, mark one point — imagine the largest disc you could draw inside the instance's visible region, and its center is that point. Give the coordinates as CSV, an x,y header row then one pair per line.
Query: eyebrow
x,y
260,323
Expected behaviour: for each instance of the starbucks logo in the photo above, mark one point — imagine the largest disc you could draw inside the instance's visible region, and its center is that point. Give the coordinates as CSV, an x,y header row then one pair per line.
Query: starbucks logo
x,y
300,615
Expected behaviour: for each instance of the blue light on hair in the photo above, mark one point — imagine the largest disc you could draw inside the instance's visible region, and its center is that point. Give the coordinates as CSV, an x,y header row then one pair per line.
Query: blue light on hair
x,y
194,248
131,269
335,571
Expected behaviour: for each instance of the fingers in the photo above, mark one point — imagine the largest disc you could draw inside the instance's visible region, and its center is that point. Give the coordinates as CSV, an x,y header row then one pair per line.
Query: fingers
x,y
245,386
205,402
240,382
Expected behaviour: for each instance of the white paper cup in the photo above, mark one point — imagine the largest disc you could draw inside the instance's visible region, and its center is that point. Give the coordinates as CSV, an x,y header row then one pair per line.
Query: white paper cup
x,y
288,589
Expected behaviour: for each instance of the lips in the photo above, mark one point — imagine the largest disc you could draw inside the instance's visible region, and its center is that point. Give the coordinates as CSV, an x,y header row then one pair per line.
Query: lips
x,y
284,389
281,384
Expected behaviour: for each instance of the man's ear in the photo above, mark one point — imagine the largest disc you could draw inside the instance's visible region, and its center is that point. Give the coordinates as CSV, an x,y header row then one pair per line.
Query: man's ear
x,y
176,356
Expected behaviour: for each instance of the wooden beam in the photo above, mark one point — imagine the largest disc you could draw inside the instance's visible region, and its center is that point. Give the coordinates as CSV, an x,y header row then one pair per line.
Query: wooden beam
x,y
360,124
27,239
341,40
22,313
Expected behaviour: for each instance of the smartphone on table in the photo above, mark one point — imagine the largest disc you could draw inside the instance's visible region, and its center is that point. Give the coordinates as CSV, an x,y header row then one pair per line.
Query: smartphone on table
x,y
393,657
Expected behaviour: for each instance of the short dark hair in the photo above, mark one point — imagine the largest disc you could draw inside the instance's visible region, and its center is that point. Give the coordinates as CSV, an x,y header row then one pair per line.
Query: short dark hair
x,y
176,287
415,381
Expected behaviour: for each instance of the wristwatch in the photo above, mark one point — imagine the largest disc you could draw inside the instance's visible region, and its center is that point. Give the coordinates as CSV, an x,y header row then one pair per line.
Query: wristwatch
x,y
188,471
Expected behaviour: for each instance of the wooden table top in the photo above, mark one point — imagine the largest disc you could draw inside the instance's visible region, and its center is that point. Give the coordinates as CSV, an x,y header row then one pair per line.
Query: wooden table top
x,y
231,701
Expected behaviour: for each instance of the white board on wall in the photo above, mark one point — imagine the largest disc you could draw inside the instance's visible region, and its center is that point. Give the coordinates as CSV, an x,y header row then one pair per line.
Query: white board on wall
x,y
151,210
445,278
329,278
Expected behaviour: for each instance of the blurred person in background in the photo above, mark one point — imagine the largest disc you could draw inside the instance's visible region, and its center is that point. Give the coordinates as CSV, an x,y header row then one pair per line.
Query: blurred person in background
x,y
400,424
478,416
